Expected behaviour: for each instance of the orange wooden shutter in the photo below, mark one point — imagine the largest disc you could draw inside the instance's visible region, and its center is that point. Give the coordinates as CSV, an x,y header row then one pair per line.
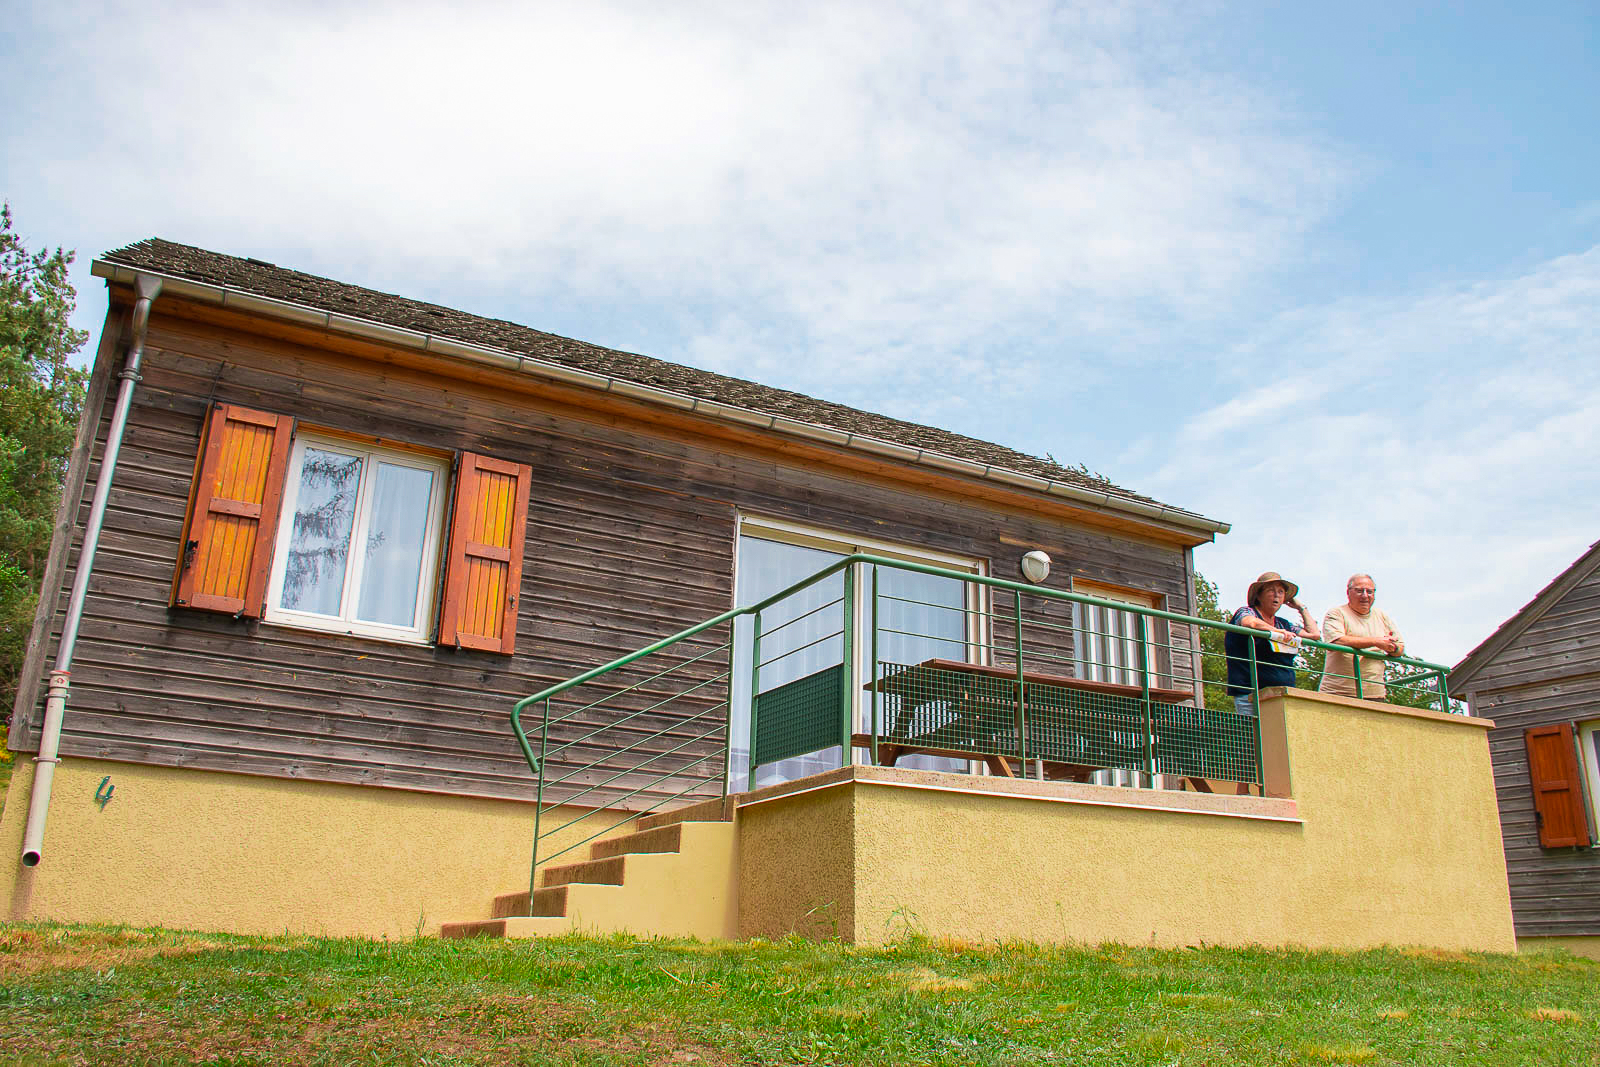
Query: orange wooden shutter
x,y
232,522
483,570
1557,786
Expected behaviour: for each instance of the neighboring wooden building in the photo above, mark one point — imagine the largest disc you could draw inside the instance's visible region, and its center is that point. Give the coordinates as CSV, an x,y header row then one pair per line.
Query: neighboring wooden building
x,y
1538,678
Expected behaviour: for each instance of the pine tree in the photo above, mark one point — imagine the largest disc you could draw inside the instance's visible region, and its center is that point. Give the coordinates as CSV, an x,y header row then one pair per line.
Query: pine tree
x,y
40,396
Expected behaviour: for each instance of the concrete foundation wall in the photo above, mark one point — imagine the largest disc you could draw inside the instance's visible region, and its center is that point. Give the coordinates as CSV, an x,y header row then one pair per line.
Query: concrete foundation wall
x,y
1578,946
797,862
211,851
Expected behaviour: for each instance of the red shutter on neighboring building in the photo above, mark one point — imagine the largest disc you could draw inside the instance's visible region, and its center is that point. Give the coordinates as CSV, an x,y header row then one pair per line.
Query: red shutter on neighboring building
x,y
1557,786
232,521
483,567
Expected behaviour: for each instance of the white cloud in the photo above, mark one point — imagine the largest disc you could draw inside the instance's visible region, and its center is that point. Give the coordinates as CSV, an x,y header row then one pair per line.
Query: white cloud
x,y
855,186
1450,451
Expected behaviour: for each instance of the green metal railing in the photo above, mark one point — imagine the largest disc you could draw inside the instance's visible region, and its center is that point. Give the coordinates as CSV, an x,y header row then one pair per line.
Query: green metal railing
x,y
1026,679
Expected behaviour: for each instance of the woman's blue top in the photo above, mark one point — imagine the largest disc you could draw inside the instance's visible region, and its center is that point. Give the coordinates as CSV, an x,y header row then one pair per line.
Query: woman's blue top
x,y
1272,667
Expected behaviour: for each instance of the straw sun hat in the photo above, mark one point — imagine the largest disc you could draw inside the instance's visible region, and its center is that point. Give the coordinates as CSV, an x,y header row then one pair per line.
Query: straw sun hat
x,y
1267,578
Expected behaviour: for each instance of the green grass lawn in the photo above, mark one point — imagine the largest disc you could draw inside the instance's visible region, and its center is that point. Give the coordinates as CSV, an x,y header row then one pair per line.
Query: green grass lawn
x,y
75,994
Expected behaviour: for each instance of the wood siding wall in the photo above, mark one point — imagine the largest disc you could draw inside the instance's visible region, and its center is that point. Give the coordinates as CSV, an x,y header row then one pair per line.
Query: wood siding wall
x,y
1549,674
629,537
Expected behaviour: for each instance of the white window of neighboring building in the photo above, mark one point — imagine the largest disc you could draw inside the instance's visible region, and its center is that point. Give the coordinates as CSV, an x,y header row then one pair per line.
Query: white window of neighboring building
x,y
358,550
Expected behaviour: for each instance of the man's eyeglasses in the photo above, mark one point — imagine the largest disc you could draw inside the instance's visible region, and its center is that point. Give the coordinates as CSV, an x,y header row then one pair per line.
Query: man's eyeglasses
x,y
1364,592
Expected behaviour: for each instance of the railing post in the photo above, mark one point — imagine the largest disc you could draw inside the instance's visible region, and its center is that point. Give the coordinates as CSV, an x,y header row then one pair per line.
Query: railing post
x,y
1022,689
1255,696
1149,712
755,698
727,746
847,686
538,806
873,678
1355,660
1444,692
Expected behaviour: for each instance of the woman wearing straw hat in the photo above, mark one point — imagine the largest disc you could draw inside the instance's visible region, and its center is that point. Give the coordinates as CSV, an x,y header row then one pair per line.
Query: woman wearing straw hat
x,y
1275,654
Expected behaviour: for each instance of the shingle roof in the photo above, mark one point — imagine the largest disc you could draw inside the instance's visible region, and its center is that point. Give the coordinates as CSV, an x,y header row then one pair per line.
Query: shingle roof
x,y
324,294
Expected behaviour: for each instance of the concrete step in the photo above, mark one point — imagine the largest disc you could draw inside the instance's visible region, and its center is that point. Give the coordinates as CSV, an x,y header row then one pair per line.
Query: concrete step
x,y
608,871
525,926
475,928
689,893
546,901
660,839
714,810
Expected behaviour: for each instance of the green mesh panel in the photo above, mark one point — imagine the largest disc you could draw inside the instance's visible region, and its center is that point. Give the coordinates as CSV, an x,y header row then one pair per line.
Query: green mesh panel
x,y
1089,729
948,709
798,717
935,708
1202,743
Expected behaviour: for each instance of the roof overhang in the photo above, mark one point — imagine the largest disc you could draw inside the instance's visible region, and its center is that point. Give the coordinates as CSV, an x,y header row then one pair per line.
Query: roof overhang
x,y
366,329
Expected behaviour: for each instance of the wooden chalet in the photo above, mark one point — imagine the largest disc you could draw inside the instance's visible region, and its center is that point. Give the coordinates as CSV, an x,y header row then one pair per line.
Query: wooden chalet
x,y
345,532
1538,675
613,488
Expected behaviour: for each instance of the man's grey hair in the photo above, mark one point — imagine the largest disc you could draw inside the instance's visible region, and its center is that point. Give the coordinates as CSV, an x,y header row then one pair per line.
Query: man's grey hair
x,y
1352,581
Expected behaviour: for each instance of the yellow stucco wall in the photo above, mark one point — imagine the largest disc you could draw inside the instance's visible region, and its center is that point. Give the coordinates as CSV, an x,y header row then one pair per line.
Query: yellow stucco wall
x,y
1393,837
1384,831
796,866
211,851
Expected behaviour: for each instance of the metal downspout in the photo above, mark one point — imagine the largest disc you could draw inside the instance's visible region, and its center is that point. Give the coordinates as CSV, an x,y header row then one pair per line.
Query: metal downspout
x,y
147,289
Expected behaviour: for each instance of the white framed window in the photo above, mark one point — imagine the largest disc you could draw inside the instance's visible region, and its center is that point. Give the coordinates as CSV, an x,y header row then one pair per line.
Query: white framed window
x,y
1589,750
1106,648
358,550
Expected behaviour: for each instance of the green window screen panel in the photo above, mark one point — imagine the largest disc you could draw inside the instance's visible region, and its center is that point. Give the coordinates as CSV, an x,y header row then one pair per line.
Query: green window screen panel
x,y
798,717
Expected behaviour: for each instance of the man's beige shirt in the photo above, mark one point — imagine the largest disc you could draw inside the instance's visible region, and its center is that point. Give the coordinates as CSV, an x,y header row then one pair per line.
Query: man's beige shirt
x,y
1343,621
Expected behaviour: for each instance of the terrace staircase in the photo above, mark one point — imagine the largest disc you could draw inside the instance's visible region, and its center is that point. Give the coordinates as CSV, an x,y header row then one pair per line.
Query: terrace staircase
x,y
675,875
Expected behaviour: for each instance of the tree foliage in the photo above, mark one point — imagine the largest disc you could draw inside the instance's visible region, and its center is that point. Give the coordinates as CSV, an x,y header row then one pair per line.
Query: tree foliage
x,y
40,395
1213,660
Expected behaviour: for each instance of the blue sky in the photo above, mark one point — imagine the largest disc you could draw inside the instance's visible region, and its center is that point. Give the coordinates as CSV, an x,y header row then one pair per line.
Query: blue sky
x,y
1329,274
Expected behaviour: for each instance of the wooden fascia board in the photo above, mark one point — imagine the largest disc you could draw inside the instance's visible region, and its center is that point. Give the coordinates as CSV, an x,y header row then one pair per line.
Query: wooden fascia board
x,y
1525,617
694,425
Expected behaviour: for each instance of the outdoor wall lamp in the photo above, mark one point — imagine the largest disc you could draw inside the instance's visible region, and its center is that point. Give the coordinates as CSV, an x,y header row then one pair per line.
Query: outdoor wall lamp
x,y
1035,566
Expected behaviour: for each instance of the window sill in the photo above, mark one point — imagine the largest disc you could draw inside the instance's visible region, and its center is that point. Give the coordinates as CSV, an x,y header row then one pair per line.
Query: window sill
x,y
297,626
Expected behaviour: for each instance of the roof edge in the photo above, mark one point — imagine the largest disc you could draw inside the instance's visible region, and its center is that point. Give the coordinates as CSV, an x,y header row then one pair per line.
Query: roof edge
x,y
445,346
1525,616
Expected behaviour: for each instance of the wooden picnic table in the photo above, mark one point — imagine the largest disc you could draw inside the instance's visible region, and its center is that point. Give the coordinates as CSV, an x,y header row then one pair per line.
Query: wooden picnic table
x,y
1074,726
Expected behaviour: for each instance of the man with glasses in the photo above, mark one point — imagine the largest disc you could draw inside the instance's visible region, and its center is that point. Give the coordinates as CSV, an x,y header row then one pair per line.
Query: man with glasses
x,y
1359,624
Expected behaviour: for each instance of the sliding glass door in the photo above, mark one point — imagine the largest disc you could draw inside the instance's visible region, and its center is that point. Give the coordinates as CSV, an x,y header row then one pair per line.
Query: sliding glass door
x,y
920,617
799,636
